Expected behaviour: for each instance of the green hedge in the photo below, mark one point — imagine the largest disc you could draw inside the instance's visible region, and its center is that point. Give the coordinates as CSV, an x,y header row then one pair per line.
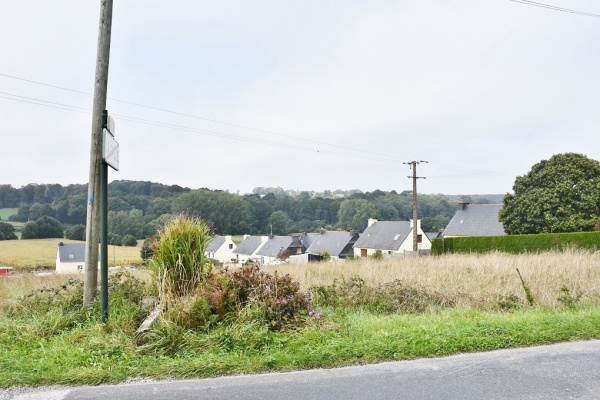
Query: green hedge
x,y
516,243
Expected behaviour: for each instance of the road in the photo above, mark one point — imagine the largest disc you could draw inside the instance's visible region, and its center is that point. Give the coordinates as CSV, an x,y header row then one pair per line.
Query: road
x,y
561,371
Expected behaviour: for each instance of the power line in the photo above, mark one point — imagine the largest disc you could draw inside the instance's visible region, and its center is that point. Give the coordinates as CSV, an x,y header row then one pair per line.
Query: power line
x,y
201,118
551,7
375,155
62,106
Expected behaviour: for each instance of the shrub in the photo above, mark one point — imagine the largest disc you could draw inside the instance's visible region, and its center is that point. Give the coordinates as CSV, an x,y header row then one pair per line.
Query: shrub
x,y
129,240
567,298
76,232
43,228
114,239
249,293
146,251
178,262
7,231
516,243
377,255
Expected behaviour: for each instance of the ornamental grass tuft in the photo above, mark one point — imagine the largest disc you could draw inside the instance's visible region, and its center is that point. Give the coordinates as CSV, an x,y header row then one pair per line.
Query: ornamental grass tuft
x,y
178,262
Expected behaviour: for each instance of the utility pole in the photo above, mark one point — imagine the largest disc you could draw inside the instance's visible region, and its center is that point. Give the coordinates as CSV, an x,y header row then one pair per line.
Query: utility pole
x,y
413,165
92,234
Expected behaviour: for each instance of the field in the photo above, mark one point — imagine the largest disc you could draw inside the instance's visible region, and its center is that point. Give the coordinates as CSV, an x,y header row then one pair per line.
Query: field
x,y
7,212
476,280
487,307
41,254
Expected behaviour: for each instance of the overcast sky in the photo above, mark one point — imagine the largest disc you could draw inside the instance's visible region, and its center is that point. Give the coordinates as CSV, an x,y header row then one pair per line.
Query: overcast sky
x,y
306,95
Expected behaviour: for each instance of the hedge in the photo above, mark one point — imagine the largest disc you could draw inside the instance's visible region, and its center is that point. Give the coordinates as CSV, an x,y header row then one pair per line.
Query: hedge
x,y
516,243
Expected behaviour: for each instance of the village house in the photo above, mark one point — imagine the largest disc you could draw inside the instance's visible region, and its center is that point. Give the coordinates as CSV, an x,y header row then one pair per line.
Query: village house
x,y
221,248
247,249
392,238
70,258
277,248
337,244
475,220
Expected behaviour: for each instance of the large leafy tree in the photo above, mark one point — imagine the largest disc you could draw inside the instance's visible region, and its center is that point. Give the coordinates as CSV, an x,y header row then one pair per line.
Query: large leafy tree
x,y
280,222
561,194
224,212
355,214
43,228
7,231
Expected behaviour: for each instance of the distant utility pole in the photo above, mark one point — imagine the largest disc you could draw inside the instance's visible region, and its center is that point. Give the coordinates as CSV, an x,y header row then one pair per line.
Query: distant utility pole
x,y
414,177
92,234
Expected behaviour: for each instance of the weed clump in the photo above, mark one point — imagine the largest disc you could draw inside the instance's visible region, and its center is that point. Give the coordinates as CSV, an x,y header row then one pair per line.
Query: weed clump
x,y
390,297
568,299
271,299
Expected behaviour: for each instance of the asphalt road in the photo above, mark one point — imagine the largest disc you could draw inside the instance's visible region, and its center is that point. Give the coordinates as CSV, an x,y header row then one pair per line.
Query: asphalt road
x,y
562,371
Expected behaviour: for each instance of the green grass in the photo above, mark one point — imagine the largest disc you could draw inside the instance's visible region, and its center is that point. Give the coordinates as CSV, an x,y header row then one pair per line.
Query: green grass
x,y
36,351
7,212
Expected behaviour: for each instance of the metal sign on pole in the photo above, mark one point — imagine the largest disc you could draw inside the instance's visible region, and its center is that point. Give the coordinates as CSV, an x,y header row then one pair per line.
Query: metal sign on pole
x,y
110,157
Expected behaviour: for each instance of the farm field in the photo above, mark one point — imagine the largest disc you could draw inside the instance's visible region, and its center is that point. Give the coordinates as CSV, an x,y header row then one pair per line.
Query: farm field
x,y
24,255
7,212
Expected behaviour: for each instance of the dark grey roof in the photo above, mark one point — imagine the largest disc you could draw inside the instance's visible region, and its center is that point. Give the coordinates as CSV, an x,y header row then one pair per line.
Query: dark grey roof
x,y
335,243
248,245
384,235
476,220
308,238
275,245
215,244
433,235
74,252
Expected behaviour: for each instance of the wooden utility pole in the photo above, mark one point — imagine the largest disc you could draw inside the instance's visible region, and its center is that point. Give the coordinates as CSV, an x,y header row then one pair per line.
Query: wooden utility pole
x,y
414,177
92,234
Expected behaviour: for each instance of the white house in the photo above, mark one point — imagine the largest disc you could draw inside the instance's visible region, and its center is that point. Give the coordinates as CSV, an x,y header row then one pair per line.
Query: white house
x,y
221,248
392,238
273,249
338,244
70,258
248,248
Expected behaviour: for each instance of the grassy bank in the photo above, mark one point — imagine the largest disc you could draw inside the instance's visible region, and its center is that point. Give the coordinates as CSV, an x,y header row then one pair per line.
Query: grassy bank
x,y
465,304
91,353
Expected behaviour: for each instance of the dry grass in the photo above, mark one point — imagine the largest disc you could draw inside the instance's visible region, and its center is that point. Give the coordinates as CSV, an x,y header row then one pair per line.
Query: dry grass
x,y
16,285
41,254
474,280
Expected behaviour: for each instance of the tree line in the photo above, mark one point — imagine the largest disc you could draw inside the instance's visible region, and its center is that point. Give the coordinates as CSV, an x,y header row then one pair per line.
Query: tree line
x,y
137,208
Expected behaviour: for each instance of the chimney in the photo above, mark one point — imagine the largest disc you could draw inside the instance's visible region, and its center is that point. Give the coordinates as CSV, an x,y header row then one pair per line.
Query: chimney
x,y
463,205
371,221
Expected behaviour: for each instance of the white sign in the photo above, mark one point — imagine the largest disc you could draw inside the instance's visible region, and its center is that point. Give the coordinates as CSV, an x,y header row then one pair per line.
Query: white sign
x,y
110,150
110,125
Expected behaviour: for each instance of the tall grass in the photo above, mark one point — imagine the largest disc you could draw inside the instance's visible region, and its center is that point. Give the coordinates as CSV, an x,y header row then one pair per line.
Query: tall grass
x,y
178,261
471,280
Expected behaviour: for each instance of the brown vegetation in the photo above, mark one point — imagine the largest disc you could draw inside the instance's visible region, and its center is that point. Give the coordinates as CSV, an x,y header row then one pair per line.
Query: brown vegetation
x,y
473,280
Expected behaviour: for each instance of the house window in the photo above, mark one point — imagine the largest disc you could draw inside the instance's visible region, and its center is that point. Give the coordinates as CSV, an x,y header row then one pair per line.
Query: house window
x,y
419,238
397,237
230,246
299,250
